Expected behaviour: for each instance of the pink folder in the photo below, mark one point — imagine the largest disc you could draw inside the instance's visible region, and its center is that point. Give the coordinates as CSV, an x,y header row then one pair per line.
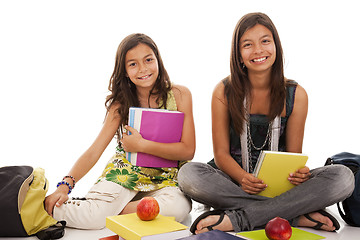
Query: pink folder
x,y
156,125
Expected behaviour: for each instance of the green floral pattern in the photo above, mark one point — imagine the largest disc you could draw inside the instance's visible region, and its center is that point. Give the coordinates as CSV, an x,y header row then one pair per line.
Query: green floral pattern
x,y
124,178
119,170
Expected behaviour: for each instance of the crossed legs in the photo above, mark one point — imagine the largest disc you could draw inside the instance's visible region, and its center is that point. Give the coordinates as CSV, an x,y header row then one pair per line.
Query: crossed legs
x,y
327,185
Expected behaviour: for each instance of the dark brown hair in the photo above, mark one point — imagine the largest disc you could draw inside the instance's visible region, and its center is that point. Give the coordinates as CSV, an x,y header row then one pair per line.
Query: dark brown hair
x,y
122,90
239,87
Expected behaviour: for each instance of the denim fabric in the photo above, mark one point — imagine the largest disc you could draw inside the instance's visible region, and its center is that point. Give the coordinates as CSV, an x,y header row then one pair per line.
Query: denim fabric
x,y
205,184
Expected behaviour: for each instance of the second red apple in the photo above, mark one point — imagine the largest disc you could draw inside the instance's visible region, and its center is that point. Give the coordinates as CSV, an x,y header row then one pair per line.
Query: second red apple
x,y
278,229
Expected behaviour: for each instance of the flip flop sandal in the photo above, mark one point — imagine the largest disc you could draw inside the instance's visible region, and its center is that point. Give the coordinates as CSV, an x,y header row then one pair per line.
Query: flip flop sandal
x,y
205,215
320,224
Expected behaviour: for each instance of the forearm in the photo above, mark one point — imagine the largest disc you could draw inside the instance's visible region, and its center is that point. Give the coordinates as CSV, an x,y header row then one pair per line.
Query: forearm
x,y
173,151
229,166
83,165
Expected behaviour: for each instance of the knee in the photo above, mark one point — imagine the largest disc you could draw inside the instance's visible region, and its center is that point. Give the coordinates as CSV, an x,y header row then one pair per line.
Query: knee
x,y
174,203
342,181
346,180
189,176
187,173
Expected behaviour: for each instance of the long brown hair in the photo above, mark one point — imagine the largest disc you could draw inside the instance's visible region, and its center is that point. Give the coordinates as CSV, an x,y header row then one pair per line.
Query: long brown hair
x,y
123,91
239,87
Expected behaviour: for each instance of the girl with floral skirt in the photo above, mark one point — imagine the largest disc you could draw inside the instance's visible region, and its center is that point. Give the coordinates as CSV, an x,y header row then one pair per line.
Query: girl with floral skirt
x,y
139,79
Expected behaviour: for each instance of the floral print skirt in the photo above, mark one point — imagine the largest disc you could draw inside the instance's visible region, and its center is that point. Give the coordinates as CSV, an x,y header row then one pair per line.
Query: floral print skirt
x,y
119,170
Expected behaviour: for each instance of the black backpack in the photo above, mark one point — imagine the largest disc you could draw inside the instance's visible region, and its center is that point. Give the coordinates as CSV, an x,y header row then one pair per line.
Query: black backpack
x,y
22,195
350,211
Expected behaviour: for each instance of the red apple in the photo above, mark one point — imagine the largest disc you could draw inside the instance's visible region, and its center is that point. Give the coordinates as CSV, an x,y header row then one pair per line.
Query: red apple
x,y
278,229
147,209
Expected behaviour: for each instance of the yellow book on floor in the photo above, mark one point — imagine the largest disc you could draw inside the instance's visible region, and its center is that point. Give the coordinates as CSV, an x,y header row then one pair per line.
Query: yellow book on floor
x,y
130,227
274,169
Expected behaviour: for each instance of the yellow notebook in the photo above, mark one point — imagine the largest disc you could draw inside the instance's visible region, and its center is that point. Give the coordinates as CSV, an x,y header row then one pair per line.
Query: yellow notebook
x,y
130,227
274,169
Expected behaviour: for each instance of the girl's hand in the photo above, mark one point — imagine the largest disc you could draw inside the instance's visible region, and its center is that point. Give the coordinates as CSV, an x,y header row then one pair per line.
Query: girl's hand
x,y
251,184
56,199
300,176
133,142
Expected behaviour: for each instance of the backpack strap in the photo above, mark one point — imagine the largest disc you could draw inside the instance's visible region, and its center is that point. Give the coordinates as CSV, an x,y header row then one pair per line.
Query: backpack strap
x,y
53,232
343,215
33,215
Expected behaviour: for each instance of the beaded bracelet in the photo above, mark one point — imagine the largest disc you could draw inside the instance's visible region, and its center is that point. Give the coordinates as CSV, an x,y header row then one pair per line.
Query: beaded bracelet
x,y
65,183
72,178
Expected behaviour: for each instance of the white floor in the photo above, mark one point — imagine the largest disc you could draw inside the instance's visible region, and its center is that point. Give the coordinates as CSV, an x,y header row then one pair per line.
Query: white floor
x,y
345,233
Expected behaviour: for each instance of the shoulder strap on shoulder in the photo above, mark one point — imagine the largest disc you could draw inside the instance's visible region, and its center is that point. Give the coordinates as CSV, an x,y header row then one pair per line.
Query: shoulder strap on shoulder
x,y
290,96
226,80
171,102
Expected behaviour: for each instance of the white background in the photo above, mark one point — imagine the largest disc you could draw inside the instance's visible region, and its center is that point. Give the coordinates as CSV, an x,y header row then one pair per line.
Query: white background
x,y
56,59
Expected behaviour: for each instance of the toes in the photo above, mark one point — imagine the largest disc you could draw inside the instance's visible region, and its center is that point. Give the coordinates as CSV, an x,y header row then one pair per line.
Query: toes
x,y
328,224
201,231
208,221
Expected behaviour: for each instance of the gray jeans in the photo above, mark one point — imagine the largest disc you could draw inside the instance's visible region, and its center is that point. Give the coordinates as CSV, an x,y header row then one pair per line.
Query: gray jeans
x,y
205,184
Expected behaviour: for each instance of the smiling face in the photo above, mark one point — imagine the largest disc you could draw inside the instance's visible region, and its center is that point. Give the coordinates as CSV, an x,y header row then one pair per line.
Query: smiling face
x,y
257,49
142,66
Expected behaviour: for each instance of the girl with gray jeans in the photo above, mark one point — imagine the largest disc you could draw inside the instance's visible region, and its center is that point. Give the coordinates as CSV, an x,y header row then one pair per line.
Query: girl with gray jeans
x,y
256,108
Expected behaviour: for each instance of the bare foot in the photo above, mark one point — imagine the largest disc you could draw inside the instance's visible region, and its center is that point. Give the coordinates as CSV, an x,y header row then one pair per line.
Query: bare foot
x,y
225,225
328,224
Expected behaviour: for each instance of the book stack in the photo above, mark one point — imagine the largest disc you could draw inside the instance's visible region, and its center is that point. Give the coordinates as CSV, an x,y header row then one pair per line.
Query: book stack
x,y
158,125
131,227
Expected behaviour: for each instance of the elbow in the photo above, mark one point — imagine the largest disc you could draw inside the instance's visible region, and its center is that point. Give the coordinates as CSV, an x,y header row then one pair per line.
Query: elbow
x,y
191,154
188,154
219,156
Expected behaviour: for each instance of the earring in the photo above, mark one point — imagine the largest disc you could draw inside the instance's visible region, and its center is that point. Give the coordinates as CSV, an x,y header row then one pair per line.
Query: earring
x,y
243,66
